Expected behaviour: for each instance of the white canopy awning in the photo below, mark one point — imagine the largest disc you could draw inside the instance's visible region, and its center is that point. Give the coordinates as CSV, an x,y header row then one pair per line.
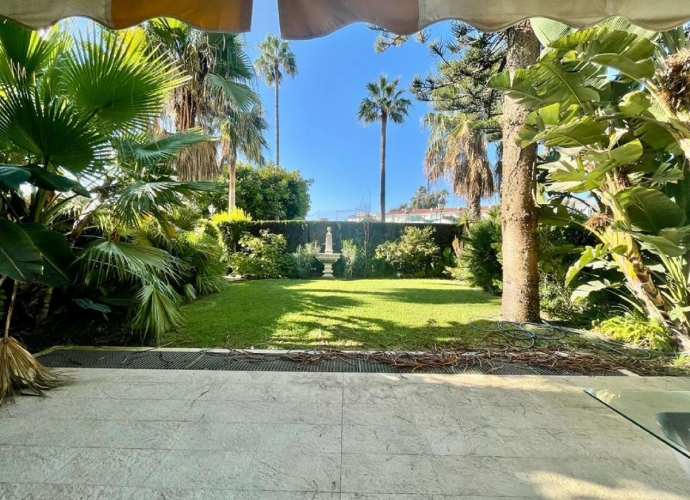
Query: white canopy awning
x,y
211,15
302,19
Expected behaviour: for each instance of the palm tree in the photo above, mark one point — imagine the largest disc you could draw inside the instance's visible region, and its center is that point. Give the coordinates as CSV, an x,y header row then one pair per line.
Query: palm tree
x,y
219,74
276,60
63,105
384,102
241,132
457,152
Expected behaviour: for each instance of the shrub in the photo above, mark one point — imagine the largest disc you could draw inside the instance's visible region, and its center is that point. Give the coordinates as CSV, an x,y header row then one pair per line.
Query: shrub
x,y
303,262
236,215
638,330
351,257
413,254
259,257
480,257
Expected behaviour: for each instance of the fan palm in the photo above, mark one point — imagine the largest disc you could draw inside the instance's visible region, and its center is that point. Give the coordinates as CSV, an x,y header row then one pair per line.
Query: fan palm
x,y
457,152
241,132
384,102
220,74
275,61
63,102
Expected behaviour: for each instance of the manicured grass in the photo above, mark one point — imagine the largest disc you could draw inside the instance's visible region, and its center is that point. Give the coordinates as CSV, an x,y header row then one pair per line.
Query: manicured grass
x,y
376,314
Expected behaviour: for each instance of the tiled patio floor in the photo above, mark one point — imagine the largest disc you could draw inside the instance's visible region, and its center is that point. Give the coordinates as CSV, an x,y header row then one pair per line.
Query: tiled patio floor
x,y
190,435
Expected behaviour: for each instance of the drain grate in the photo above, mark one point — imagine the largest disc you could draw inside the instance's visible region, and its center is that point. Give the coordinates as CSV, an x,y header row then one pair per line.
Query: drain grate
x,y
244,361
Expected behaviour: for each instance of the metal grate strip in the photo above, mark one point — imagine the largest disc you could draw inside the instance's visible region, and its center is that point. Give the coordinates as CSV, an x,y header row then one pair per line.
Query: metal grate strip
x,y
200,360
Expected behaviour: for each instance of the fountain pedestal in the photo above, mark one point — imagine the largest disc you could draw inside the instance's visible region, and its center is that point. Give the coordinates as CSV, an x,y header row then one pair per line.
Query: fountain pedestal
x,y
328,258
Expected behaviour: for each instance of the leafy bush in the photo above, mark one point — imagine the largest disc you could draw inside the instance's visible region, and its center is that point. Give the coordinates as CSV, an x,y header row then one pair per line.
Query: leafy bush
x,y
351,257
638,330
237,215
480,258
302,263
413,254
259,257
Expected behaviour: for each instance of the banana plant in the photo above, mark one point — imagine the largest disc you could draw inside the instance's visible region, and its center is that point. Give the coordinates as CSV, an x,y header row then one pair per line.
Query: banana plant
x,y
609,111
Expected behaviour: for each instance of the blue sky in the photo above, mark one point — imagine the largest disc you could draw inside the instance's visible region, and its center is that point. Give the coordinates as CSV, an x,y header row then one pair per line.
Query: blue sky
x,y
319,132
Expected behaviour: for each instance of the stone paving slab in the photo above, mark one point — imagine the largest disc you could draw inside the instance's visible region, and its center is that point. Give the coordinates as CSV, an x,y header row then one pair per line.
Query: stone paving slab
x,y
193,435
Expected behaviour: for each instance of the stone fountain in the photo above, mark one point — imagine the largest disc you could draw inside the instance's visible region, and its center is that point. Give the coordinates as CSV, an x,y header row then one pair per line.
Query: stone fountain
x,y
328,258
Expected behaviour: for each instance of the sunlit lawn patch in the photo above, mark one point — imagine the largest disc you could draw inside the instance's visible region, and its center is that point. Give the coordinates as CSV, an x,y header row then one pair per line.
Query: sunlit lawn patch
x,y
377,314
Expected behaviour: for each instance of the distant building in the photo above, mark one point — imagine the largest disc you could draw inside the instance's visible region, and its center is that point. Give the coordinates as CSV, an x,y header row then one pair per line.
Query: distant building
x,y
444,215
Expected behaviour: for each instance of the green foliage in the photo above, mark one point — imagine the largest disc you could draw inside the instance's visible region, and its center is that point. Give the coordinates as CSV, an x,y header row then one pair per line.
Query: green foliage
x,y
637,330
302,263
480,258
265,193
236,215
413,254
615,124
259,257
351,257
424,198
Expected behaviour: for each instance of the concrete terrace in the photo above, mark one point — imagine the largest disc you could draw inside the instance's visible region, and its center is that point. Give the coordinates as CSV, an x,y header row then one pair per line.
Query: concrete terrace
x,y
193,435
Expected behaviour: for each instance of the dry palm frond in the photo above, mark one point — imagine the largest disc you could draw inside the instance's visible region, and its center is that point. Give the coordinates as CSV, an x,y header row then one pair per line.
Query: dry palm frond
x,y
457,152
19,371
198,163
675,88
598,222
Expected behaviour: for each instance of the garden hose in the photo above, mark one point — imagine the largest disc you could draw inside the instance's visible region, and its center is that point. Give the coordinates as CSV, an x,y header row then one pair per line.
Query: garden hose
x,y
526,335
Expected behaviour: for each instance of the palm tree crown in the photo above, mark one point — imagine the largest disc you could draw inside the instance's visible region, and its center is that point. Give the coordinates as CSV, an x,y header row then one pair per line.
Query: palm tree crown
x,y
384,102
457,152
276,60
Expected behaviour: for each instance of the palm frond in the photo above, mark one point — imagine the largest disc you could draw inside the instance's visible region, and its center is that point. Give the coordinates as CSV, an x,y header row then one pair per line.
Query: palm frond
x,y
157,310
126,262
113,78
143,151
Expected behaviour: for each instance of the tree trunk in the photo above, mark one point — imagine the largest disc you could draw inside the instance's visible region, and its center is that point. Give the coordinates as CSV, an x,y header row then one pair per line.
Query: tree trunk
x,y
277,90
474,206
384,126
232,168
518,208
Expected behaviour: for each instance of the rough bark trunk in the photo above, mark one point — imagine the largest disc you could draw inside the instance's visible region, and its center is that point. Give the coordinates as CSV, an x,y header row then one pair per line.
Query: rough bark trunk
x,y
277,90
474,206
232,169
384,126
518,209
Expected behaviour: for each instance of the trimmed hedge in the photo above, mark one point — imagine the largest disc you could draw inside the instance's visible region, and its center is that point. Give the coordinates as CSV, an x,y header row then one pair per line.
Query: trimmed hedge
x,y
297,233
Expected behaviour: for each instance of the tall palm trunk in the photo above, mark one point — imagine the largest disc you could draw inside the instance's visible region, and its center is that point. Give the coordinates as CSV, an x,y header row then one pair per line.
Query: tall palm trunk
x,y
518,209
384,127
474,205
232,174
277,91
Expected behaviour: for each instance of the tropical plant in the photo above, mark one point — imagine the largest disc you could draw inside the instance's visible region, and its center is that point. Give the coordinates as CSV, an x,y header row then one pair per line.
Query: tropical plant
x,y
384,102
611,107
63,106
276,61
480,258
217,89
413,254
457,152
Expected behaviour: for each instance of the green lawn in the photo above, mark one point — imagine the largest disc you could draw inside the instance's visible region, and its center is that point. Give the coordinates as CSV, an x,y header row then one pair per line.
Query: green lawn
x,y
377,314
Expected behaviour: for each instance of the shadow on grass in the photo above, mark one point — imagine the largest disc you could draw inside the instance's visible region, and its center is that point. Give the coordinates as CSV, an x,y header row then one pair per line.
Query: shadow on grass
x,y
298,314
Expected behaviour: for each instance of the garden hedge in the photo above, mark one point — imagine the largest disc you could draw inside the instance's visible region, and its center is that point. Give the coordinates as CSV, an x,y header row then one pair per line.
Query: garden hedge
x,y
299,232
